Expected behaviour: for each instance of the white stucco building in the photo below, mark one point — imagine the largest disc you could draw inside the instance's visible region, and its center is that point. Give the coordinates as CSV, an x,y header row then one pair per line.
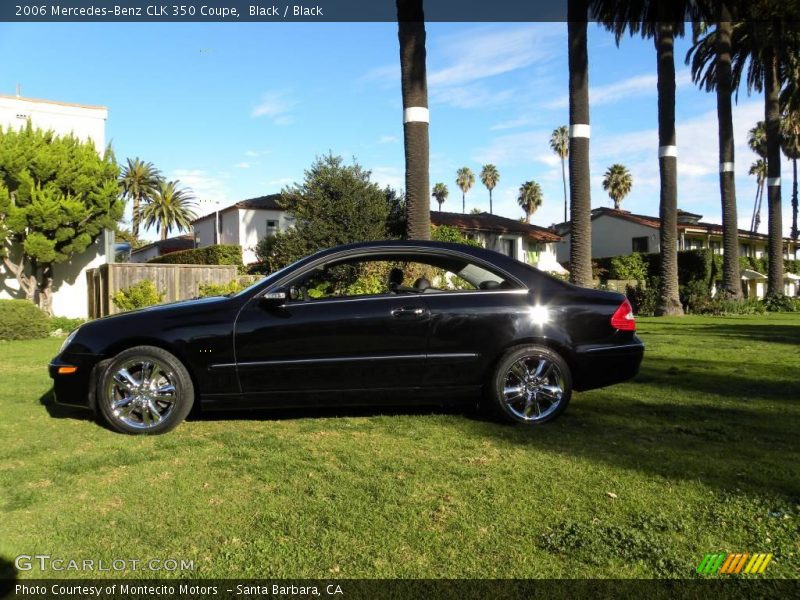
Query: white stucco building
x,y
86,123
243,224
619,232
528,243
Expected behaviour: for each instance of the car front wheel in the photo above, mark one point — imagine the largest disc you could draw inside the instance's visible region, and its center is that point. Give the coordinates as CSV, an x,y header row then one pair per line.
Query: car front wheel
x,y
144,390
531,385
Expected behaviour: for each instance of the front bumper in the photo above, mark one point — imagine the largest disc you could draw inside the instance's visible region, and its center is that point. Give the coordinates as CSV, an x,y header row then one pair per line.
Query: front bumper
x,y
600,366
73,388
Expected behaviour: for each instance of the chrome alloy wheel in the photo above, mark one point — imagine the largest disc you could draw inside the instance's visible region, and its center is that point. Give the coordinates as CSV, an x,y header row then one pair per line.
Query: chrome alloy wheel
x,y
533,388
141,392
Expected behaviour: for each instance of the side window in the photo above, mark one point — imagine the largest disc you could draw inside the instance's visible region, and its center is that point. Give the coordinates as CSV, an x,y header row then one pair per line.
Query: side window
x,y
639,244
394,276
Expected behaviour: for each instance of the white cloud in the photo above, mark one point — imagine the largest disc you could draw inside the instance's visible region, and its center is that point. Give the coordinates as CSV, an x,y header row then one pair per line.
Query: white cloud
x,y
512,123
514,149
275,105
394,177
243,165
209,190
633,87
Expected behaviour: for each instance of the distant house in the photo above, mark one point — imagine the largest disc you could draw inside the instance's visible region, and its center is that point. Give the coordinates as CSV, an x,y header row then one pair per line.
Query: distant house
x,y
619,232
530,244
243,223
86,123
162,247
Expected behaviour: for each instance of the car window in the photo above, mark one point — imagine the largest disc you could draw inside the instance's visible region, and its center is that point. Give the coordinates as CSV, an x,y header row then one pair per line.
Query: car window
x,y
393,276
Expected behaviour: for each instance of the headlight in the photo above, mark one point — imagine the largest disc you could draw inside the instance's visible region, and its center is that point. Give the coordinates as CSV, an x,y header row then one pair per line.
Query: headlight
x,y
69,339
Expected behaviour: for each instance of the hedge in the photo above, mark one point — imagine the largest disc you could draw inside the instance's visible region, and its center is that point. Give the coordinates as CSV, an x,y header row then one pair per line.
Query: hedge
x,y
219,254
22,320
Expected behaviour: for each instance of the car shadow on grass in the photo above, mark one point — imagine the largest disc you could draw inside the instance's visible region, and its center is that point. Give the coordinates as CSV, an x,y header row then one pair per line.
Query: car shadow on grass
x,y
62,411
8,576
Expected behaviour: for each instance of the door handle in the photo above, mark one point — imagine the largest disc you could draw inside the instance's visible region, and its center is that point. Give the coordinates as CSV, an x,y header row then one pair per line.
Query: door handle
x,y
409,312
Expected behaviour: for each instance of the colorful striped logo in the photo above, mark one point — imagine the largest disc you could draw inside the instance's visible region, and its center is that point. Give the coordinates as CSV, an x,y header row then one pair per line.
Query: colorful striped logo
x,y
733,564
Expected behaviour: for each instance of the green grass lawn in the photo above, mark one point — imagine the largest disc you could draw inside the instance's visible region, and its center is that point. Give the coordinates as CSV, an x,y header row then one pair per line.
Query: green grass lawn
x,y
700,453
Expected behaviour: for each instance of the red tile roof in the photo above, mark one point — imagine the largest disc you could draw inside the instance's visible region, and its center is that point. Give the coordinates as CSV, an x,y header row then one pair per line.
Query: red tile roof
x,y
493,224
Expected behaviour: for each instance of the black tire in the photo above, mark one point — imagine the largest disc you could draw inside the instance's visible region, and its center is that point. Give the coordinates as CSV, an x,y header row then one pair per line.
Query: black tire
x,y
159,403
536,394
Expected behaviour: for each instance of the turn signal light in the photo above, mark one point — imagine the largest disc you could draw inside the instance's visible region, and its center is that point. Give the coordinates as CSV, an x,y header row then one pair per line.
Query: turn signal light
x,y
622,318
67,370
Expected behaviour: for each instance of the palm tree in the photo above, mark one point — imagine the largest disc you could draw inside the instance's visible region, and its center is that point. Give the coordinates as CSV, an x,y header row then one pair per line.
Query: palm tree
x,y
757,141
661,21
710,58
411,33
559,143
530,198
617,182
759,169
139,181
440,192
465,179
490,176
171,207
580,228
790,144
763,41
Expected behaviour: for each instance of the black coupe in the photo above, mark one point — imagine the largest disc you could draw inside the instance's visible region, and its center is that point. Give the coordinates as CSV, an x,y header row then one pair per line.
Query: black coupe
x,y
392,323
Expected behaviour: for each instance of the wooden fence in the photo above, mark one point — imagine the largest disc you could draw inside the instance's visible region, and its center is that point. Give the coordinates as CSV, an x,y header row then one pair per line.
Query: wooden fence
x,y
177,282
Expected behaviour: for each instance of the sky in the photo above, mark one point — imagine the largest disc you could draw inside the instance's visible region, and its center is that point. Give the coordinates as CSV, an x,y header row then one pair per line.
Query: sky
x,y
240,110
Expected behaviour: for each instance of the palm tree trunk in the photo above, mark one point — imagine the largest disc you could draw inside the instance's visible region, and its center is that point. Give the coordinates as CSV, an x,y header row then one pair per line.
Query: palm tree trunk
x,y
135,217
411,33
669,302
757,210
794,199
564,180
163,233
463,203
772,117
491,210
731,279
580,247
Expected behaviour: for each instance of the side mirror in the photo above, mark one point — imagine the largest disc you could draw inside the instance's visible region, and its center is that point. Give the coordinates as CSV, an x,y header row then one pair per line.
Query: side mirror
x,y
275,298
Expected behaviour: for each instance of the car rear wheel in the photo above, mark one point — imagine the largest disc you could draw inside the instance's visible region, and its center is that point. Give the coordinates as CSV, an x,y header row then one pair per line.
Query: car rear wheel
x,y
531,385
144,390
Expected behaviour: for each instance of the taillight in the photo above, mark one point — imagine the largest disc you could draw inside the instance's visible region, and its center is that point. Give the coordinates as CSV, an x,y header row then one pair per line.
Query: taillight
x,y
622,318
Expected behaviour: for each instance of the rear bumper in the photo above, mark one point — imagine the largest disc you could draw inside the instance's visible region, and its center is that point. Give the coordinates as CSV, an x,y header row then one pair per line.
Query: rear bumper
x,y
599,366
73,389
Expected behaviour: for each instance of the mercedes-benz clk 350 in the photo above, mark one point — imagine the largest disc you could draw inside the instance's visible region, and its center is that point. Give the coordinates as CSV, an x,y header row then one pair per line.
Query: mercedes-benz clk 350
x,y
378,324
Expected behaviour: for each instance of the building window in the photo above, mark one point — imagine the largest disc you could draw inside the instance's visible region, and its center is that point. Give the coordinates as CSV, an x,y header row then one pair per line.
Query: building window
x,y
640,244
694,244
716,247
272,227
508,247
745,250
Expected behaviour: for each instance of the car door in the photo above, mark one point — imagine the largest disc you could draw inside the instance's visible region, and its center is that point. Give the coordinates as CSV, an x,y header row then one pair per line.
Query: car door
x,y
307,348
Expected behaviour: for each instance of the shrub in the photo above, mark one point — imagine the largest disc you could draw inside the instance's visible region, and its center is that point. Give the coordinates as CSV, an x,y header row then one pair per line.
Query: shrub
x,y
138,295
719,306
22,320
781,303
220,289
219,254
445,233
643,298
65,324
631,266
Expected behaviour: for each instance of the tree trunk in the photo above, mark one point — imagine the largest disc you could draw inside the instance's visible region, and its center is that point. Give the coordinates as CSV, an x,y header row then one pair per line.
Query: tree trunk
x,y
580,248
135,216
491,209
757,207
463,203
163,233
616,203
669,302
27,283
794,199
731,278
772,117
45,288
411,33
564,181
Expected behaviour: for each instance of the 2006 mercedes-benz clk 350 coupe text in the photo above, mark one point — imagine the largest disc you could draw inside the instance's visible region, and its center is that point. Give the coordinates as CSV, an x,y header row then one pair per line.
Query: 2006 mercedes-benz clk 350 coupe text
x,y
379,323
